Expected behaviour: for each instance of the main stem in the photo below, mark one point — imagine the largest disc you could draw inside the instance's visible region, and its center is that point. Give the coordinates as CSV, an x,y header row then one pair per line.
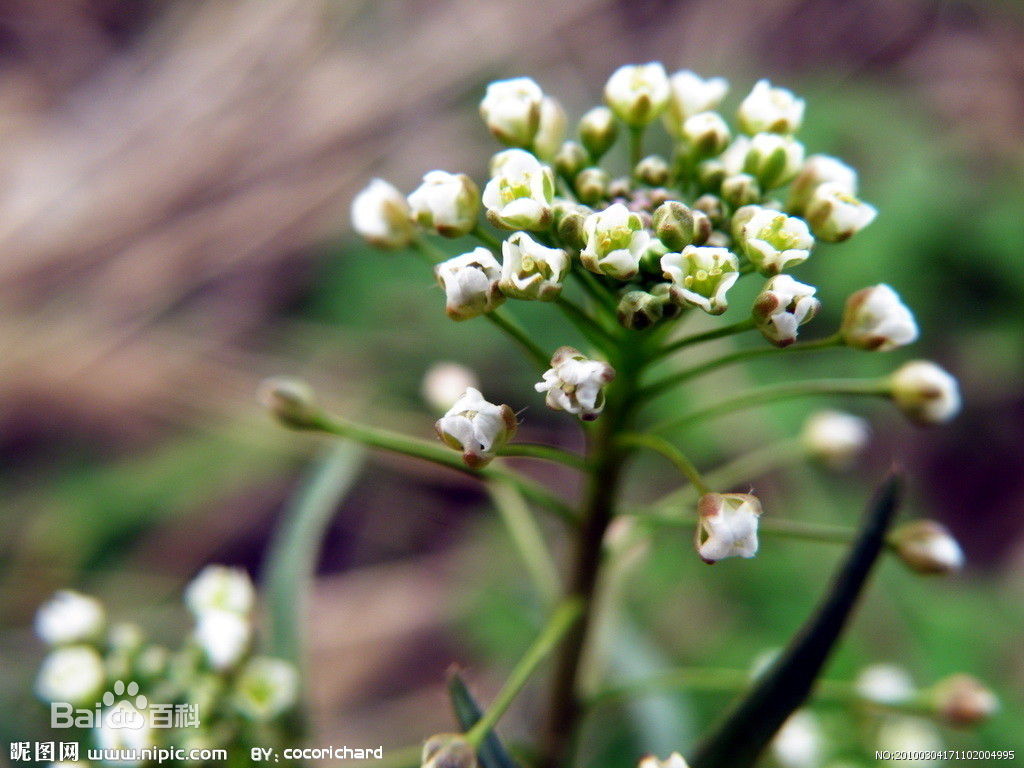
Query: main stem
x,y
606,459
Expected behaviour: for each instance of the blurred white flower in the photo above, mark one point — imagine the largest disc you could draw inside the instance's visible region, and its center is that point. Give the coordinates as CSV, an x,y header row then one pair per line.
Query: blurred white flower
x,y
799,742
530,270
884,684
770,109
520,192
69,617
113,734
675,760
446,202
835,438
266,687
476,427
72,674
444,383
223,636
782,307
908,735
380,214
962,700
927,546
220,588
551,129
512,109
876,318
616,239
818,170
575,383
835,214
705,133
773,159
470,283
772,241
690,95
638,93
925,393
728,526
598,131
701,276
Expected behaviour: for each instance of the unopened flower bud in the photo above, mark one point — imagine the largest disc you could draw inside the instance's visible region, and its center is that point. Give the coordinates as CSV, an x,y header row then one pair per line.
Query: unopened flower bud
x,y
220,588
782,307
800,742
652,171
884,684
705,134
444,383
477,428
775,110
712,207
638,310
470,282
927,546
773,159
448,750
701,276
591,185
551,129
740,189
834,438
291,401
570,159
448,203
569,219
380,214
675,760
266,688
710,174
818,170
72,674
962,700
223,636
530,270
520,192
575,383
616,239
663,293
925,393
598,131
622,187
674,225
876,318
728,526
691,95
70,617
771,240
835,214
512,110
638,93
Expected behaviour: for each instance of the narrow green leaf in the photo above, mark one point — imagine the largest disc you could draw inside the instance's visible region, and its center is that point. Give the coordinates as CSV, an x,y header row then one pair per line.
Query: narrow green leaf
x,y
786,685
492,753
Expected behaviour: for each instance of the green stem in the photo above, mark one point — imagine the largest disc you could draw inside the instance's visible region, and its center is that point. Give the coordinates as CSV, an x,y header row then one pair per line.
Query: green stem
x,y
636,146
672,380
528,538
776,392
438,454
545,452
431,253
699,338
486,237
562,620
516,332
595,333
596,291
670,452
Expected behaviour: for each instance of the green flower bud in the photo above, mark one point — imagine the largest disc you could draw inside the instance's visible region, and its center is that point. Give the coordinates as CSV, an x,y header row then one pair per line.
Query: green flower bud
x,y
740,189
291,401
638,93
570,159
712,207
710,174
591,185
598,131
674,225
569,220
639,309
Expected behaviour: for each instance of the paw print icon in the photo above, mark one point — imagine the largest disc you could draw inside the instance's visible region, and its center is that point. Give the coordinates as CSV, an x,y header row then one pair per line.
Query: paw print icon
x,y
125,712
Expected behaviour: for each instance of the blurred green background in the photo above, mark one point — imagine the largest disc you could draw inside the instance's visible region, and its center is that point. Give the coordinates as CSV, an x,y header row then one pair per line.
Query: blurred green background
x,y
173,228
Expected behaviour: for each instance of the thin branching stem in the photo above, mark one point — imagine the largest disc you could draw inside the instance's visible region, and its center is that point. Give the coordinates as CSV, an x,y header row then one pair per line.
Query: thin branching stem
x,y
674,455
699,338
515,331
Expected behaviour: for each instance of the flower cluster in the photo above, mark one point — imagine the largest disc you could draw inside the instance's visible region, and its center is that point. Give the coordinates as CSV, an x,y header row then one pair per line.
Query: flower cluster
x,y
136,693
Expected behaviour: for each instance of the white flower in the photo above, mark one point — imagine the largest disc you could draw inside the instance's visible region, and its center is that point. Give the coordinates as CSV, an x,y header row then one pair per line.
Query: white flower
x,y
551,129
512,109
734,159
706,133
884,684
701,276
598,130
638,93
773,159
925,393
446,202
72,674
530,270
799,742
728,526
220,588
675,760
470,283
69,617
771,240
818,170
768,109
476,427
835,214
380,214
224,636
124,728
782,307
876,318
520,193
444,383
909,735
927,546
266,687
616,239
962,700
691,95
834,437
575,383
